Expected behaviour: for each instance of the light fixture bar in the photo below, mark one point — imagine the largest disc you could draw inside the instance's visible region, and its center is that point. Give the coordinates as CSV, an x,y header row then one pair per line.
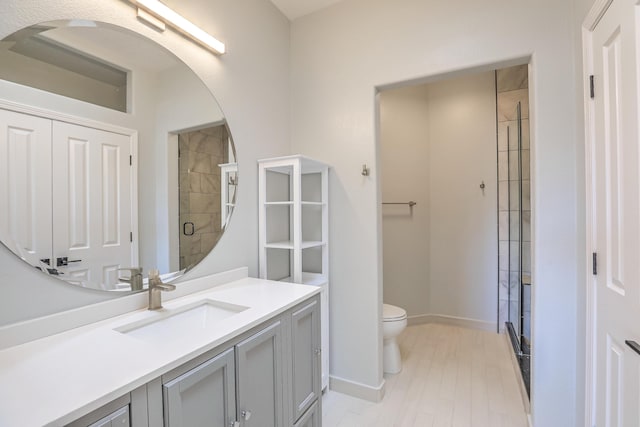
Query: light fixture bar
x,y
181,24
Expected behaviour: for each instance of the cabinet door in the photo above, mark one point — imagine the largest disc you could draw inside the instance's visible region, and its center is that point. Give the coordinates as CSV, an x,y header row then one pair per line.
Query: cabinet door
x,y
259,376
311,418
204,396
114,414
305,346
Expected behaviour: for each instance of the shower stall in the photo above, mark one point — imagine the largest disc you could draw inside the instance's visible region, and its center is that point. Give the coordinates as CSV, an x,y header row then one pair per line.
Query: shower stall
x,y
518,259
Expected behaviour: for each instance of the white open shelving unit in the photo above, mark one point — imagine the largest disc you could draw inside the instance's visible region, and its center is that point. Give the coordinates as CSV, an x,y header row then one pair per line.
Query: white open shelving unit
x,y
294,229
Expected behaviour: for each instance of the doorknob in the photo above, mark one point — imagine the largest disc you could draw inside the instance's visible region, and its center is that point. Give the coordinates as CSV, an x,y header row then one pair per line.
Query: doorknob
x,y
64,261
246,415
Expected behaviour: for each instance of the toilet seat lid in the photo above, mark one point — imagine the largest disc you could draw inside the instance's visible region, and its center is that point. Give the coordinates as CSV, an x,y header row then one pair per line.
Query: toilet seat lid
x,y
391,312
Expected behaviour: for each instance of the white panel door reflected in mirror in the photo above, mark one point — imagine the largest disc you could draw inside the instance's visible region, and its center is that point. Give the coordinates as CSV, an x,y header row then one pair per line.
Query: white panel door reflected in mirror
x,y
111,148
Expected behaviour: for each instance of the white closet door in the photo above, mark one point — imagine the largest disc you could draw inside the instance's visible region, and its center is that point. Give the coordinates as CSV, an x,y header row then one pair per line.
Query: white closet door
x,y
91,203
616,166
25,185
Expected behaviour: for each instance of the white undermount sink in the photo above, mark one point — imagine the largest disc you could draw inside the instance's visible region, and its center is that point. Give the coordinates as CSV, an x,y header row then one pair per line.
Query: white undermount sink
x,y
175,323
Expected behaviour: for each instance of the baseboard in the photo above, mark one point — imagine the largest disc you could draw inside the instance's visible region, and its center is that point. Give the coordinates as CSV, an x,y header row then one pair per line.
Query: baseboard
x,y
452,320
355,389
516,368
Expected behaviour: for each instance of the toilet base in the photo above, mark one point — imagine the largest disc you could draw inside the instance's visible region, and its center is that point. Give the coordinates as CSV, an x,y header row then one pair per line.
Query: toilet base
x,y
391,360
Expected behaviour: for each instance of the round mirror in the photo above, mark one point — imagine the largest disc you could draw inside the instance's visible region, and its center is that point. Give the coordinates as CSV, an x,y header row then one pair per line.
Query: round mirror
x,y
115,158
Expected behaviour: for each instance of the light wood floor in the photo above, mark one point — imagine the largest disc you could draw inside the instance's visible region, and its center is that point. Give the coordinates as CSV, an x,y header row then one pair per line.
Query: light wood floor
x,y
451,376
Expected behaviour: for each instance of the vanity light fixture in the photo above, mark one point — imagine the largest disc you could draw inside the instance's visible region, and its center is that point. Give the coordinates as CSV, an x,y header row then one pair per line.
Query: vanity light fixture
x,y
167,15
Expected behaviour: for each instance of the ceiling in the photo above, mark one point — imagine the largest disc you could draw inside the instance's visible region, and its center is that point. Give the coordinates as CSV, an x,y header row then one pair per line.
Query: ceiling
x,y
293,9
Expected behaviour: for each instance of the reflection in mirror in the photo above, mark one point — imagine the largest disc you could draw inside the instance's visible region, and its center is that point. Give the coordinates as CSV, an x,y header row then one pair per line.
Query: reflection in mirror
x,y
115,156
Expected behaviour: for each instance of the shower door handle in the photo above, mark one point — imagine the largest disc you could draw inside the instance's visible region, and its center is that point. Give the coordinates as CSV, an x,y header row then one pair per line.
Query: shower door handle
x,y
634,345
191,227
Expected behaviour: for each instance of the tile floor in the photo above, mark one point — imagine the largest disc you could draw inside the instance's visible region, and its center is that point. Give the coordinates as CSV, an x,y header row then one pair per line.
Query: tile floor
x,y
451,376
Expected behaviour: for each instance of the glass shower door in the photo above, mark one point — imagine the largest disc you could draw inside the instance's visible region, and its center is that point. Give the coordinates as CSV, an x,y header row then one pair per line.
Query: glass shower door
x,y
518,325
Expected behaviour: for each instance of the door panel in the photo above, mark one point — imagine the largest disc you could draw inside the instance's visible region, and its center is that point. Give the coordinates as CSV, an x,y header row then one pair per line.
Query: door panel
x,y
92,211
305,345
25,185
203,396
260,388
616,216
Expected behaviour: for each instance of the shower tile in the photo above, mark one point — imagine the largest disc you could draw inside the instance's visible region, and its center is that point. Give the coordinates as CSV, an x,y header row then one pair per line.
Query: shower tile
x,y
217,222
503,255
526,226
512,78
183,142
198,142
508,135
503,225
199,162
526,257
503,166
184,202
195,182
210,183
507,102
202,203
209,240
525,164
514,315
514,196
514,285
514,256
503,196
514,225
203,223
183,164
184,182
526,195
503,288
526,136
514,166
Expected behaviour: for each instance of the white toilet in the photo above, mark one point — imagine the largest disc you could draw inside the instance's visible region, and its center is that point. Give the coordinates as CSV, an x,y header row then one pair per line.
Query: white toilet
x,y
394,320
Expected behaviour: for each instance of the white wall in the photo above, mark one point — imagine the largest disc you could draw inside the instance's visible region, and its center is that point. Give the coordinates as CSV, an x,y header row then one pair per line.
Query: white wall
x,y
437,144
339,57
257,37
405,170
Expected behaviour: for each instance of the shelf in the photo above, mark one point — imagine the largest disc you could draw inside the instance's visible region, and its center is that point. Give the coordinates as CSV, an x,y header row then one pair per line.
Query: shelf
x,y
288,244
313,279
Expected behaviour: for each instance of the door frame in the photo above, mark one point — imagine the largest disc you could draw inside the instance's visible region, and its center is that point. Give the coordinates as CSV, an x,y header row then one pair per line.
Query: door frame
x,y
589,24
132,134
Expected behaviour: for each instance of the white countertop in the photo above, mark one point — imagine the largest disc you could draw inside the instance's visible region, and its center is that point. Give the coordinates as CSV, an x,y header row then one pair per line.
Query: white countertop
x,y
57,379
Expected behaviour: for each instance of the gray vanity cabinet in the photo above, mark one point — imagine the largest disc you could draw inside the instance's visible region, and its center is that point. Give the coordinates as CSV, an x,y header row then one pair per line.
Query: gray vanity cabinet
x,y
205,395
259,376
305,354
311,418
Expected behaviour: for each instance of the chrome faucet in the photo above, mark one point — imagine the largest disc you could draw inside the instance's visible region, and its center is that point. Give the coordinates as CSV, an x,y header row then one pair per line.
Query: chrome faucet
x,y
135,279
155,290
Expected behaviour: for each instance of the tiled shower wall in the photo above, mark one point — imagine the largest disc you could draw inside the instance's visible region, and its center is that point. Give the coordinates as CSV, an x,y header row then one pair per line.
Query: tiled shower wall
x,y
201,152
512,87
